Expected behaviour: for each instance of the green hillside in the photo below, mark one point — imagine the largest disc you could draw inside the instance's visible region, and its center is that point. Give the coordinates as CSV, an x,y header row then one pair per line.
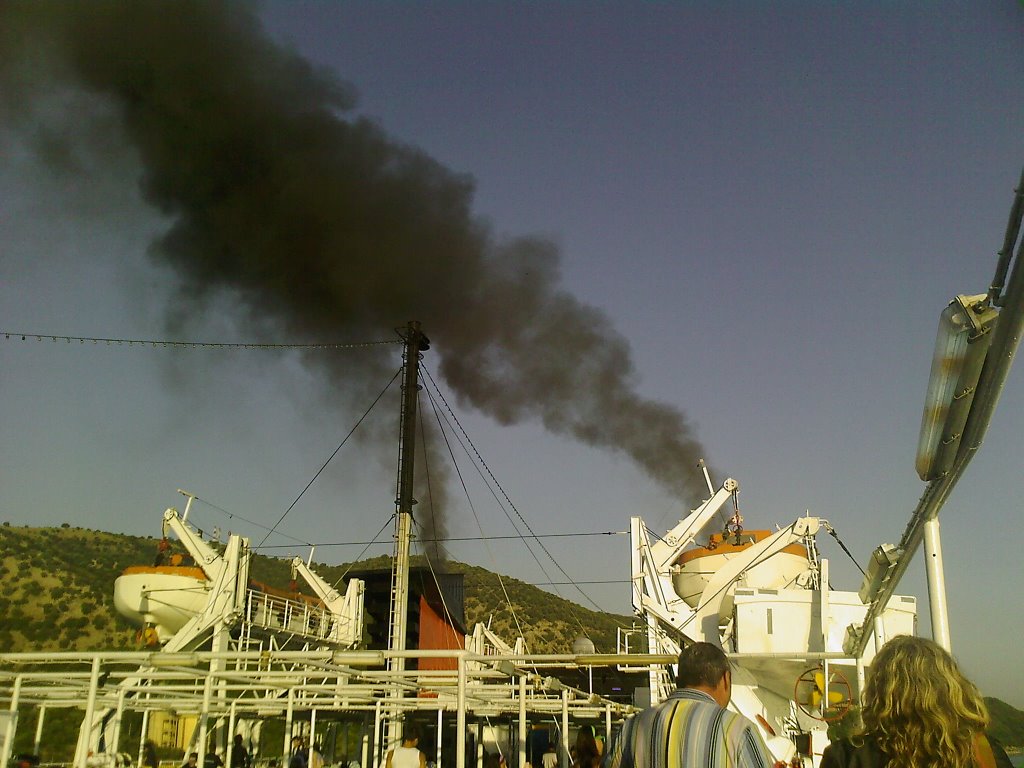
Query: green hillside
x,y
59,584
1007,722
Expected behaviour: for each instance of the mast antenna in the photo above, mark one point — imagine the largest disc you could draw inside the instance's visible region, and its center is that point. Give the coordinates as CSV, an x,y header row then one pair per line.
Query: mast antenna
x,y
415,343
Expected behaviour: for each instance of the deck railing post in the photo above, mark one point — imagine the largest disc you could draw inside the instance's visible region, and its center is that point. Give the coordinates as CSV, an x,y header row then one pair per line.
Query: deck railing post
x,y
90,713
288,735
12,722
522,721
230,751
437,751
460,721
39,730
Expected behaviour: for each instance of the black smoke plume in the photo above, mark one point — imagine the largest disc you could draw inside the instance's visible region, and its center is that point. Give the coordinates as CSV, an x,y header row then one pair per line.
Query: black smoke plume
x,y
329,228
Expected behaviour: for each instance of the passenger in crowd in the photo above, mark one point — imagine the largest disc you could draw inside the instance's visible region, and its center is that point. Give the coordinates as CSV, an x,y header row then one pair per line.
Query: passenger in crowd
x,y
300,756
212,760
193,760
586,754
408,755
919,711
239,754
692,726
316,758
550,757
149,758
536,744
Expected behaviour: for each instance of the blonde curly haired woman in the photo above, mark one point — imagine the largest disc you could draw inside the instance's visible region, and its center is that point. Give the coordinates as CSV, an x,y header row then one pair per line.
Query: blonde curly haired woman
x,y
919,711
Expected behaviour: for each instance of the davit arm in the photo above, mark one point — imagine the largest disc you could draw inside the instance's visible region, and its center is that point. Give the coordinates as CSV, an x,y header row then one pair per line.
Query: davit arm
x,y
346,609
206,557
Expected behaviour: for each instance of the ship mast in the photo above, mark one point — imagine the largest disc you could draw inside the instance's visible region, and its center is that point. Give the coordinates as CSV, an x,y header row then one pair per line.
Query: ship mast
x,y
415,343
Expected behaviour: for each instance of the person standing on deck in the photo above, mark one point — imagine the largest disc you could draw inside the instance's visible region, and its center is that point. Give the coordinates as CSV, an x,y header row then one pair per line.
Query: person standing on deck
x,y
408,755
919,711
299,757
149,758
239,754
692,727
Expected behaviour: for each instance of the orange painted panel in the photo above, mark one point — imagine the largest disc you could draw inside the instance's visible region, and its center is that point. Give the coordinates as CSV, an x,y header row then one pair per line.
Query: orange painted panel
x,y
436,633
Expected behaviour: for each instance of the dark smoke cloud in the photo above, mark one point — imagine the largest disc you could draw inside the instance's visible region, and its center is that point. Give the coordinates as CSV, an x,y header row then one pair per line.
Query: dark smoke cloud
x,y
329,229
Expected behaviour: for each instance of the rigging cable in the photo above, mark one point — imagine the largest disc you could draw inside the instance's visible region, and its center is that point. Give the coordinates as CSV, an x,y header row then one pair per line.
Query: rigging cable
x,y
472,507
363,552
481,463
832,532
191,344
574,535
233,515
345,440
493,480
439,548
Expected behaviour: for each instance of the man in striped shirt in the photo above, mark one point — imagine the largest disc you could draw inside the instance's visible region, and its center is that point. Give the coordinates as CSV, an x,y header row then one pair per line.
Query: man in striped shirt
x,y
692,728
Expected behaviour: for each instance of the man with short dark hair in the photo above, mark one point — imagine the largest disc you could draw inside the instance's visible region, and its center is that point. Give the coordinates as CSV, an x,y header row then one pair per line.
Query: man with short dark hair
x,y
408,755
692,727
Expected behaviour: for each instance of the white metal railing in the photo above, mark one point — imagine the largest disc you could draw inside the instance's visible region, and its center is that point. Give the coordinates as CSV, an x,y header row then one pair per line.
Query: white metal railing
x,y
283,614
267,683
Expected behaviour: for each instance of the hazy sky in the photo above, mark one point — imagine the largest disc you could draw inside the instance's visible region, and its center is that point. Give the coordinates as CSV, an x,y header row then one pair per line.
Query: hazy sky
x,y
771,203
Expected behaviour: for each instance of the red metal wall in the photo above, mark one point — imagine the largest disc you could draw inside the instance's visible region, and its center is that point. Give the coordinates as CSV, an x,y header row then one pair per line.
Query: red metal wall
x,y
437,634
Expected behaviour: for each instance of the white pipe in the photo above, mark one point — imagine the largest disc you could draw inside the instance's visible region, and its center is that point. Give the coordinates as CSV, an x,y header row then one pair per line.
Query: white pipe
x,y
312,731
936,584
288,725
90,711
565,727
460,721
115,732
860,681
823,610
376,735
204,719
39,730
437,760
522,721
143,733
879,633
230,751
8,745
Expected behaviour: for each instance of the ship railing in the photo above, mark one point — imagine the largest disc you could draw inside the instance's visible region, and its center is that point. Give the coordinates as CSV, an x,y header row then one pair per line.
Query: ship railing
x,y
282,614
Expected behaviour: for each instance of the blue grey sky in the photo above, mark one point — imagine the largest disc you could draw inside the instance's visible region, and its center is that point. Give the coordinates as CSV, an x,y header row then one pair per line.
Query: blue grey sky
x,y
771,202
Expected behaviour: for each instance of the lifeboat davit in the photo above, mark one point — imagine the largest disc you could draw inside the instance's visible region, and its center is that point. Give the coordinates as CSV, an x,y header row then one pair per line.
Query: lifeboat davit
x,y
695,567
164,597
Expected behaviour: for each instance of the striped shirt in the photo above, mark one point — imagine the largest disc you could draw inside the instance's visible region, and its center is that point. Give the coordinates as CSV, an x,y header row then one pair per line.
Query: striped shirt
x,y
688,730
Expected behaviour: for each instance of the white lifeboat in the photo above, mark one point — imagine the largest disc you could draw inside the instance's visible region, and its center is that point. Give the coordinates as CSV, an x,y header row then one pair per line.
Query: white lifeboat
x,y
161,597
695,567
